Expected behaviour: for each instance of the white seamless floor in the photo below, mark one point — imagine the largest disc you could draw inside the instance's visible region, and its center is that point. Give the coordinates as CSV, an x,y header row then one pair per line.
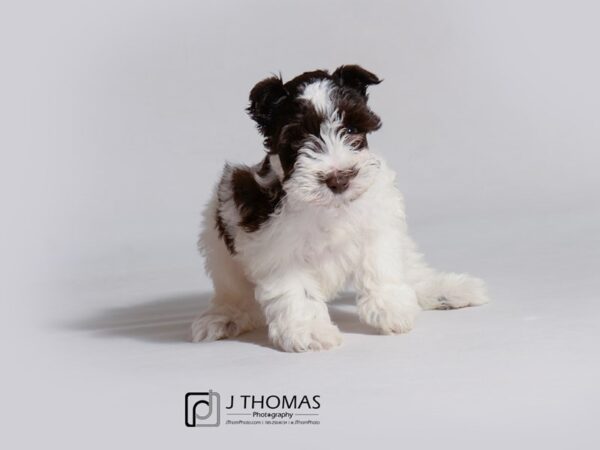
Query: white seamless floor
x,y
111,364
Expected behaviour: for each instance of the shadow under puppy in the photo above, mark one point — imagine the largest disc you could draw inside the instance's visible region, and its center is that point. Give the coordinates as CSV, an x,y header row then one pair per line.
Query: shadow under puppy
x,y
283,237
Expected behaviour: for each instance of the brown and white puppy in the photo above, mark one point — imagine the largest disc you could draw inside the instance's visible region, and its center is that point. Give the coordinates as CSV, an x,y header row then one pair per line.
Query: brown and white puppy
x,y
320,210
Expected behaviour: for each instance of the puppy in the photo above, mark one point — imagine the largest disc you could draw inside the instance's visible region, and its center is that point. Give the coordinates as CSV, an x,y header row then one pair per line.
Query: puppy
x,y
283,237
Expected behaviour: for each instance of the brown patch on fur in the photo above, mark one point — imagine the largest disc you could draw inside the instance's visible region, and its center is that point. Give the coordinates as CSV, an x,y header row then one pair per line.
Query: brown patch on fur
x,y
355,77
306,124
224,234
255,203
357,114
293,86
265,167
273,104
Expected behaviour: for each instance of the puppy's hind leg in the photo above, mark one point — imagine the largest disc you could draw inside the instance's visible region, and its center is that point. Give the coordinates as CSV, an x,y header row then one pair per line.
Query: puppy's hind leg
x,y
441,290
450,291
233,309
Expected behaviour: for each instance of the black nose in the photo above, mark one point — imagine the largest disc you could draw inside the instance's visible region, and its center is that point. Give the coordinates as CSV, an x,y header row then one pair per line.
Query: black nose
x,y
338,181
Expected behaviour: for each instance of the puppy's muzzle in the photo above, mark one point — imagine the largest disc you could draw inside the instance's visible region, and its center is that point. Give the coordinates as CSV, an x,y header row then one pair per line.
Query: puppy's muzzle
x,y
339,181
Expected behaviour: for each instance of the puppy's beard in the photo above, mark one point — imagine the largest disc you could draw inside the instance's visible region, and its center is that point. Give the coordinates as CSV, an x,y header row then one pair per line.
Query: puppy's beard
x,y
300,190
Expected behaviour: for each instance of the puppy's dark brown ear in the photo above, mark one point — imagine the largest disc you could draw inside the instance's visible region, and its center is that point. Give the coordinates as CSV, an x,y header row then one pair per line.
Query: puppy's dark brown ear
x,y
355,77
264,99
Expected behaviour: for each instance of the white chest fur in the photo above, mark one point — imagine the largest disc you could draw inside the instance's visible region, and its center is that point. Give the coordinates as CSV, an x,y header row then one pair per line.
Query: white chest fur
x,y
327,242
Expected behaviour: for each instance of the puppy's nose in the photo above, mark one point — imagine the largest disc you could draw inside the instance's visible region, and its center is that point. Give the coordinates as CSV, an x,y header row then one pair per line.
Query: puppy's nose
x,y
338,181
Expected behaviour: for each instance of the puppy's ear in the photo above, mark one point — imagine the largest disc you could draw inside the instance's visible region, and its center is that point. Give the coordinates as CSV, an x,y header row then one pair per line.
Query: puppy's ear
x,y
264,99
355,77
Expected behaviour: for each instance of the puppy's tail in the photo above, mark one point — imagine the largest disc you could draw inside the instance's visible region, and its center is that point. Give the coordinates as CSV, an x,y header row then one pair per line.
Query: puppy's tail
x,y
450,291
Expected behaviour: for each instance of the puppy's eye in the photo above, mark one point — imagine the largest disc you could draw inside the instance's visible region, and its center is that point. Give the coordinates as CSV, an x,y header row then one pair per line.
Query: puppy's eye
x,y
351,130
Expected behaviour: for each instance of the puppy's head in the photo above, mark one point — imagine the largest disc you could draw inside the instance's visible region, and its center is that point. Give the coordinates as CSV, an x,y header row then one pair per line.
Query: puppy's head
x,y
315,128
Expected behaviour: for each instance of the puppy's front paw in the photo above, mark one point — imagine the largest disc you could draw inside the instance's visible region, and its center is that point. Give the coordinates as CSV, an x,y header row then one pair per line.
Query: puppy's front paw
x,y
305,336
393,316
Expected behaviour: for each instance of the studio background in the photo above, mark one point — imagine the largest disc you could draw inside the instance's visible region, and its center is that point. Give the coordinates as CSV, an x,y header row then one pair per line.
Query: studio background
x,y
117,117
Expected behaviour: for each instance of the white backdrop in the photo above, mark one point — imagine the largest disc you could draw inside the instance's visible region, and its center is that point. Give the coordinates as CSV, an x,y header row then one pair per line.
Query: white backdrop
x,y
117,118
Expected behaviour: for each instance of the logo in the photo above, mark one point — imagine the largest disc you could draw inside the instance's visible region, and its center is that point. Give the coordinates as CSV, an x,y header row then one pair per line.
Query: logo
x,y
202,409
